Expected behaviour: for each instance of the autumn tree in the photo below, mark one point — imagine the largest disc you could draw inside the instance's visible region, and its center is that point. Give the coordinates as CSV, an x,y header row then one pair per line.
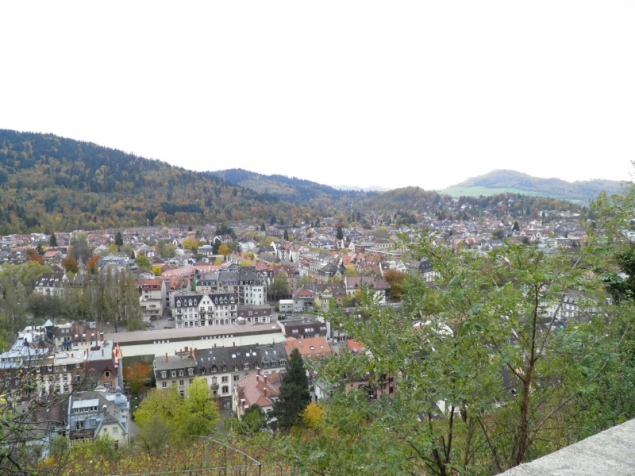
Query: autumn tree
x,y
156,270
137,376
70,265
92,263
191,244
33,255
223,250
395,281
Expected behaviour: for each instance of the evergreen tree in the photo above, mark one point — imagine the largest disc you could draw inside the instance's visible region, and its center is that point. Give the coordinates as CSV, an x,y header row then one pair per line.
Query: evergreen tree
x,y
53,240
516,226
340,233
294,392
262,227
286,235
118,239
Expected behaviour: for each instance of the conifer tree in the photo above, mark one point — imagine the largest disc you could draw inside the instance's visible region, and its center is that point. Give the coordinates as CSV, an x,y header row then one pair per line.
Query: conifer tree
x,y
53,240
294,392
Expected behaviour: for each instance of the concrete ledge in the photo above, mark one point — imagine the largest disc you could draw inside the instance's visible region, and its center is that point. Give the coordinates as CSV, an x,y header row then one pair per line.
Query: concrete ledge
x,y
611,452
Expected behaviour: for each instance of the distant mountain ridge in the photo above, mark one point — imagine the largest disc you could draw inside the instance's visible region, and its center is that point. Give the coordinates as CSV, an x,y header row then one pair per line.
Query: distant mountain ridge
x,y
292,189
499,181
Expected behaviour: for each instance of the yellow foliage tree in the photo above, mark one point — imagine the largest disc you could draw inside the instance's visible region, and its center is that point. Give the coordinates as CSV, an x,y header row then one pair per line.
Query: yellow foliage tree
x,y
156,269
312,415
224,250
191,244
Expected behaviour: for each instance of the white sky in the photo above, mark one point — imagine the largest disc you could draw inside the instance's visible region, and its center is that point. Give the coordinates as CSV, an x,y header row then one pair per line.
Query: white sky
x,y
358,93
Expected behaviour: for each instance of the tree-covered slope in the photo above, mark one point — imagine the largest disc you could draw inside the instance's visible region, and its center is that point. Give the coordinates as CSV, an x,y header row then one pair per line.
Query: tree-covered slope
x,y
509,180
293,189
413,203
52,183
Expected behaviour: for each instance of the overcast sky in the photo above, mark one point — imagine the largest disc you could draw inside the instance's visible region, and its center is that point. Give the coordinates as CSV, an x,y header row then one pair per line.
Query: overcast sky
x,y
356,93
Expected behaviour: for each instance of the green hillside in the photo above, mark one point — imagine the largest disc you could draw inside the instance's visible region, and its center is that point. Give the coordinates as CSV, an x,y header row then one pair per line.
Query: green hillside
x,y
500,181
50,183
293,189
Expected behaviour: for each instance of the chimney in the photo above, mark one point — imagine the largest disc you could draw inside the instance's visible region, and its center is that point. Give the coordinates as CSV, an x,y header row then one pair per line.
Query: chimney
x,y
166,357
180,353
185,348
214,346
195,351
101,336
234,344
102,352
265,390
265,383
191,356
258,371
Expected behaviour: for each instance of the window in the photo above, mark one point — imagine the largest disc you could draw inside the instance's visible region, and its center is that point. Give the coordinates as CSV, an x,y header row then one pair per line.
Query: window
x,y
225,379
107,374
180,373
236,378
165,385
174,373
180,383
191,381
115,430
190,371
164,374
225,389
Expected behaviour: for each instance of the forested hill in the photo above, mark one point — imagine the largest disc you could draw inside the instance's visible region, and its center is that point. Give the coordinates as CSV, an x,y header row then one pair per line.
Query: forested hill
x,y
293,189
411,204
509,180
49,183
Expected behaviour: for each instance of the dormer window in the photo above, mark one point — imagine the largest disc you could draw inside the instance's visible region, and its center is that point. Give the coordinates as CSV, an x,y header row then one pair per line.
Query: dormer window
x,y
164,375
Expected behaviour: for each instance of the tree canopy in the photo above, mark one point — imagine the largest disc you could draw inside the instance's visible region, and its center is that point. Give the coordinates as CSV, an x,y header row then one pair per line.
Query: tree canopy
x,y
294,392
